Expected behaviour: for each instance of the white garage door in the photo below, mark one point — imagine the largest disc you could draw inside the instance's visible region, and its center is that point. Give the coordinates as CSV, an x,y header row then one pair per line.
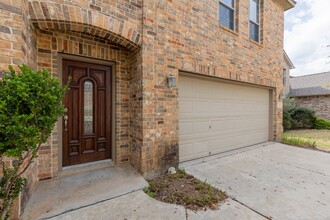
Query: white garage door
x,y
219,116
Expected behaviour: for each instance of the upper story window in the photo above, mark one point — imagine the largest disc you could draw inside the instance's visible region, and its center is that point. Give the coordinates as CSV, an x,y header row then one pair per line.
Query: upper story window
x,y
227,13
255,20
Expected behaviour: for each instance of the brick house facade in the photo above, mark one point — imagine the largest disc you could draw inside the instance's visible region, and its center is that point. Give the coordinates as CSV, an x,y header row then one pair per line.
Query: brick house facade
x,y
144,41
319,103
313,92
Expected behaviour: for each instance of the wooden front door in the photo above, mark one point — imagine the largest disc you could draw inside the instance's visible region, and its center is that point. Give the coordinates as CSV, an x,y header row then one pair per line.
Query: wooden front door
x,y
87,121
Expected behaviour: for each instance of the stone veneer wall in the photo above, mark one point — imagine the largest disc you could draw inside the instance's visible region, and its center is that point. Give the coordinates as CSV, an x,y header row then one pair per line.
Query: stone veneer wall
x,y
320,104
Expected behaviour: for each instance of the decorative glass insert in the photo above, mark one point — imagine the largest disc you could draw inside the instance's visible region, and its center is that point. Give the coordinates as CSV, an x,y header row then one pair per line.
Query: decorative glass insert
x,y
227,13
88,107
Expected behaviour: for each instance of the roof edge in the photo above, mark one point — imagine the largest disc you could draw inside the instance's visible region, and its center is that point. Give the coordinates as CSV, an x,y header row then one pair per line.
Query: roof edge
x,y
288,4
311,75
287,58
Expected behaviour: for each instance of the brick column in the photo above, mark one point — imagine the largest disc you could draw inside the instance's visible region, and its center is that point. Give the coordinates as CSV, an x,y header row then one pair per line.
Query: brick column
x,y
159,149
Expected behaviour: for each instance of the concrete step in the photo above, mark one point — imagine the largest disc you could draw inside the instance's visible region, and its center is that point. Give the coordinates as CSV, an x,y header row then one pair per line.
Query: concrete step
x,y
71,191
70,170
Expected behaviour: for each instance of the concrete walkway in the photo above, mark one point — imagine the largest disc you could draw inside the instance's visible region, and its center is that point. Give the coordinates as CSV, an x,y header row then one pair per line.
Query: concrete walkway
x,y
138,205
275,180
71,192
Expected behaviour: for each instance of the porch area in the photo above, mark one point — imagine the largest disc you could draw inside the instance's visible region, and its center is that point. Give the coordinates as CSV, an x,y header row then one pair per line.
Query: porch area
x,y
82,186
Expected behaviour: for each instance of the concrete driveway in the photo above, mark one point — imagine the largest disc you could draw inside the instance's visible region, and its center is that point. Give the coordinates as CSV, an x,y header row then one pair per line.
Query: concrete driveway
x,y
268,181
272,180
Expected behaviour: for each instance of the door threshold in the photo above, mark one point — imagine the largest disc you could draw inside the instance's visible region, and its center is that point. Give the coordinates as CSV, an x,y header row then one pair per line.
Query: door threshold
x,y
79,168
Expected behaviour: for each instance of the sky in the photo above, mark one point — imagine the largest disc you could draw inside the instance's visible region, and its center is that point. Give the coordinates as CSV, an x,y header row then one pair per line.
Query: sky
x,y
307,36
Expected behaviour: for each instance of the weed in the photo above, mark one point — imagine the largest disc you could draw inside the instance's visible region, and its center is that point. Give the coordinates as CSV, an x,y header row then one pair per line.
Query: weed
x,y
298,141
182,170
181,173
157,186
148,192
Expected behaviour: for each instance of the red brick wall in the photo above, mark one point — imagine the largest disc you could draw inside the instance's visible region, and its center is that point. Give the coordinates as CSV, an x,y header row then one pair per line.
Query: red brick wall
x,y
16,45
116,21
49,43
186,36
136,110
112,32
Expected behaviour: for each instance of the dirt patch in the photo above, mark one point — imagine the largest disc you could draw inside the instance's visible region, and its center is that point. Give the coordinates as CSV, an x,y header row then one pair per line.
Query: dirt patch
x,y
183,189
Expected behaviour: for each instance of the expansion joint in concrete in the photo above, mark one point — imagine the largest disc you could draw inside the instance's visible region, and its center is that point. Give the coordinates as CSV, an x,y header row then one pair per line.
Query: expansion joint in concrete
x,y
302,168
259,213
95,203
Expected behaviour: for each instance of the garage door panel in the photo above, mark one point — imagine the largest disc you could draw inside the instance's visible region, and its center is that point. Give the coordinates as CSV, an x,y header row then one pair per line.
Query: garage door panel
x,y
186,106
216,125
220,117
193,150
232,142
187,128
196,137
201,107
216,107
201,127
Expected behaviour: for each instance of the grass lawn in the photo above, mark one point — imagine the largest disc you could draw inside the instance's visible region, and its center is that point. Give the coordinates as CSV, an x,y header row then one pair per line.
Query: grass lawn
x,y
322,137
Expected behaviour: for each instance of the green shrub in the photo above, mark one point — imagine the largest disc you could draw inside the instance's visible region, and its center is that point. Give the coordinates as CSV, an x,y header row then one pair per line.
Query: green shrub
x,y
30,104
322,123
289,104
287,121
303,118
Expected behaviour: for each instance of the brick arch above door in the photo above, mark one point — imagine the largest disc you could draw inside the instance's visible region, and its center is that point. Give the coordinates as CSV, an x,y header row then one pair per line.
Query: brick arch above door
x,y
54,46
63,17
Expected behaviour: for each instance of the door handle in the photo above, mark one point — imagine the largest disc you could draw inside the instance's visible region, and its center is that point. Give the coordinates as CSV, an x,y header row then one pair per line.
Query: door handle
x,y
66,117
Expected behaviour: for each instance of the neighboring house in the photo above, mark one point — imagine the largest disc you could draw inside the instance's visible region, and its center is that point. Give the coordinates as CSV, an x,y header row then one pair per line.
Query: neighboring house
x,y
226,58
287,66
313,92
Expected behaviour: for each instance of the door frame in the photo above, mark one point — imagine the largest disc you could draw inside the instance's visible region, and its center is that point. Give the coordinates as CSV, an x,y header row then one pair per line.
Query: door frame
x,y
112,65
